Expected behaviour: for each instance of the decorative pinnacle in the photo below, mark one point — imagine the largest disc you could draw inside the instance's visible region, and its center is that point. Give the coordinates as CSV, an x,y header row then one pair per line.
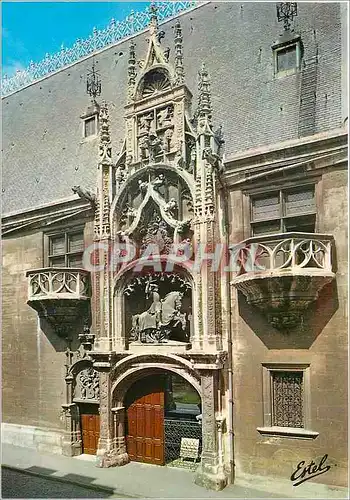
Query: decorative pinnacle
x,y
105,149
286,11
179,65
131,71
93,82
153,26
204,94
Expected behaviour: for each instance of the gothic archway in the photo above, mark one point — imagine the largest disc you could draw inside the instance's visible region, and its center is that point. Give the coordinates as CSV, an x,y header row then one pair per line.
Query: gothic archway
x,y
157,407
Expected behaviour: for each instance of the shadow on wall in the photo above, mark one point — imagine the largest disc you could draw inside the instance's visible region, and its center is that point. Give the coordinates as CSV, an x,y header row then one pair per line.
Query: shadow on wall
x,y
315,319
60,341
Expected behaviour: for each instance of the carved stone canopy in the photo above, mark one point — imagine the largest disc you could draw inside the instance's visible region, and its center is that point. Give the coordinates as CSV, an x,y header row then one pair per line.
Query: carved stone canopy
x,y
157,204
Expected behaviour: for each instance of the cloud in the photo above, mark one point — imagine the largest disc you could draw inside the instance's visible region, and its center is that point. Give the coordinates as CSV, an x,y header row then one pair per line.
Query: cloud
x,y
14,53
11,67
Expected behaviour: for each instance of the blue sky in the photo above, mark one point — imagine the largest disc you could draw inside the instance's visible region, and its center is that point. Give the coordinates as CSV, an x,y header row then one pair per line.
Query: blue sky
x,y
32,29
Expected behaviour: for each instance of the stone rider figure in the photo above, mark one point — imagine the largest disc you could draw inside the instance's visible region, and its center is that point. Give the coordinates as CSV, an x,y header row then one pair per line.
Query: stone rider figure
x,y
152,289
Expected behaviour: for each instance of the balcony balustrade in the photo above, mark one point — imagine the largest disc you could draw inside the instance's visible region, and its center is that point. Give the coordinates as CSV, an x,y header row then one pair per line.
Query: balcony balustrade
x,y
282,274
60,295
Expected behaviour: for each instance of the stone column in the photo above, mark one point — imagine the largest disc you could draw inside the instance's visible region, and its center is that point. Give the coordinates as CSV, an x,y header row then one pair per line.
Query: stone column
x,y
111,445
71,443
120,454
105,443
210,473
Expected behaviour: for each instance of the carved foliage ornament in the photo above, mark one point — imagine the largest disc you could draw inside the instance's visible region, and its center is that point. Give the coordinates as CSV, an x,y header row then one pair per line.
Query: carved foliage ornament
x,y
87,384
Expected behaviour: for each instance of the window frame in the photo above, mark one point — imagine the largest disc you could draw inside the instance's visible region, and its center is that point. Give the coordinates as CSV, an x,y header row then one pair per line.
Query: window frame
x,y
87,118
285,44
48,255
304,432
283,217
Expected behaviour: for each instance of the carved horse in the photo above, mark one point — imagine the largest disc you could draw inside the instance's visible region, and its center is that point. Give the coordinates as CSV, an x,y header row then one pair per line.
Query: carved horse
x,y
157,323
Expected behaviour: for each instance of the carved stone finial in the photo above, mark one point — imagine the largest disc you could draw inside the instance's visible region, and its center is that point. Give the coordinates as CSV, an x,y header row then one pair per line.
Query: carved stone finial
x,y
131,71
179,65
204,93
153,26
105,149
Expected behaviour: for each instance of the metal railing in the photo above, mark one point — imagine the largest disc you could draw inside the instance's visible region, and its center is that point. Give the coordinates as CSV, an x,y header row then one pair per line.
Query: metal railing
x,y
287,251
58,283
99,39
175,430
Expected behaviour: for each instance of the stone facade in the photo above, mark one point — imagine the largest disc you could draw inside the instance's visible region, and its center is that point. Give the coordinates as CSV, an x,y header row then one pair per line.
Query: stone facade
x,y
166,175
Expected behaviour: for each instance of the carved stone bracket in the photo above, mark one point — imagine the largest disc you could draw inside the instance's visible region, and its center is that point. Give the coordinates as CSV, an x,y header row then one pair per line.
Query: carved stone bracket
x,y
282,297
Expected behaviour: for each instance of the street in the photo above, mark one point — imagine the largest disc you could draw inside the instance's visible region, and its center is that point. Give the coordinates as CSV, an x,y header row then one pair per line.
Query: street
x,y
18,484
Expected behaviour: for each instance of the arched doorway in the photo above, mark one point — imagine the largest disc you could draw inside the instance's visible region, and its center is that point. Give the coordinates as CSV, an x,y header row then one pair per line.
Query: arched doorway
x,y
162,425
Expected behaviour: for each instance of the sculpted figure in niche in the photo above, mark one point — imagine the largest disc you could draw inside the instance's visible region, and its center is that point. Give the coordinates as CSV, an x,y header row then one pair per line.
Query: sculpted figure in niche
x,y
156,324
172,207
154,147
167,140
156,307
142,186
145,122
143,145
158,181
164,117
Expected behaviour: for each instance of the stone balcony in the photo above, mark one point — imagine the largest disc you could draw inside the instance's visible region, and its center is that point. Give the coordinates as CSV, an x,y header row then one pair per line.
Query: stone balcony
x,y
60,295
282,274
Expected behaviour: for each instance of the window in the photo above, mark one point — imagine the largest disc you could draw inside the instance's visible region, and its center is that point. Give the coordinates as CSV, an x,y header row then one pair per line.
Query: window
x,y
287,54
286,400
287,58
66,249
284,211
90,126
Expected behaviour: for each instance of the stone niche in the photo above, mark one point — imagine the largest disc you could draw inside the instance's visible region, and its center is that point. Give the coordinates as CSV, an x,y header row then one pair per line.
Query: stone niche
x,y
158,310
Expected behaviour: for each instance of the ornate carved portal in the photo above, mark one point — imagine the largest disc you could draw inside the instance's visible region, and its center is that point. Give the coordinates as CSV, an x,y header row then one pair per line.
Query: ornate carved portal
x,y
159,197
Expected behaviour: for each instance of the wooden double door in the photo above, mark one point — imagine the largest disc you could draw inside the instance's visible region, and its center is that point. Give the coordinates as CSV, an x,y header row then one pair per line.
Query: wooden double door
x,y
90,428
145,420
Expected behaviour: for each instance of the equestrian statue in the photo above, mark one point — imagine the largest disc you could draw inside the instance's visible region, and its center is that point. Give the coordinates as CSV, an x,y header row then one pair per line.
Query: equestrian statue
x,y
163,317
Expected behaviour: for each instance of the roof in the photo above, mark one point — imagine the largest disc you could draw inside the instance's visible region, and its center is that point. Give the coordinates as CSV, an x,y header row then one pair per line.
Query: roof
x,y
44,154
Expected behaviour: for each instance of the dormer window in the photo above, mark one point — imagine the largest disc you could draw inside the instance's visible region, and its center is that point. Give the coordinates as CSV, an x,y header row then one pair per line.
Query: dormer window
x,y
90,121
286,58
90,126
287,54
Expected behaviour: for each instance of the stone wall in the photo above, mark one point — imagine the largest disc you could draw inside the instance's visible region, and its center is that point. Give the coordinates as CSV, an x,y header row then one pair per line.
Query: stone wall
x,y
320,341
32,361
33,356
